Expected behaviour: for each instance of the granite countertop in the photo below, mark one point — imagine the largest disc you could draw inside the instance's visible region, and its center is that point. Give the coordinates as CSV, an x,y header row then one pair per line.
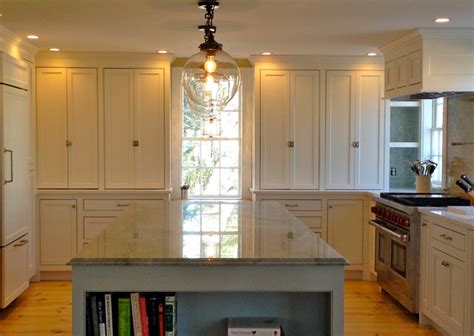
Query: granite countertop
x,y
461,220
208,233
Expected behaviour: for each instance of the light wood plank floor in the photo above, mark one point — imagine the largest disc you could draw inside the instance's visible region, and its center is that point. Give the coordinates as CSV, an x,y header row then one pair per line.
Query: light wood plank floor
x,y
45,309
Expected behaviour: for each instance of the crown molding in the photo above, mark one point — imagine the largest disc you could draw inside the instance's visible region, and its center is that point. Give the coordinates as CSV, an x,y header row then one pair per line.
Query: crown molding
x,y
16,46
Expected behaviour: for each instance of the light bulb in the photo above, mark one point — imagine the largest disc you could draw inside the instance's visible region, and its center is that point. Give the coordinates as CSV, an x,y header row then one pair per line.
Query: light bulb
x,y
210,65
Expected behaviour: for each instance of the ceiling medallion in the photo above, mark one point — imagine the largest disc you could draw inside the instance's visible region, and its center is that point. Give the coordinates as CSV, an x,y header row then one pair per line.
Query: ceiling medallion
x,y
211,77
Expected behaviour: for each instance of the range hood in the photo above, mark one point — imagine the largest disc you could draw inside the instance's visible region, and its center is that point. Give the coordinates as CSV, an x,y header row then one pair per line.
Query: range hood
x,y
430,63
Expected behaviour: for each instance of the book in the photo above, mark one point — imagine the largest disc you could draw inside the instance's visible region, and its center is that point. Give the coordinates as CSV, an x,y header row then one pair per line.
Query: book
x,y
124,317
137,322
108,315
170,315
89,323
95,316
153,302
143,316
161,318
101,314
251,326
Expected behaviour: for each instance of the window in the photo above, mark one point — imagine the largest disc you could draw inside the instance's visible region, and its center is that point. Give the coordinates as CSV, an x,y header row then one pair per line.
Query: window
x,y
436,131
211,230
211,152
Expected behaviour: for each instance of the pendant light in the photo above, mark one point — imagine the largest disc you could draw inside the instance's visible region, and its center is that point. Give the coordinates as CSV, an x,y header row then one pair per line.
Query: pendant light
x,y
211,77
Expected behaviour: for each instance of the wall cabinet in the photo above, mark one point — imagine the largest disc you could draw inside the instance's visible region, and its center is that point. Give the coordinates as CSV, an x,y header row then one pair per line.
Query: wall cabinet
x,y
346,229
134,129
289,129
58,225
67,128
446,286
354,130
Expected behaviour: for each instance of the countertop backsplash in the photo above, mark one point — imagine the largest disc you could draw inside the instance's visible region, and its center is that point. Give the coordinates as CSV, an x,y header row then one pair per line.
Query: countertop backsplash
x,y
460,128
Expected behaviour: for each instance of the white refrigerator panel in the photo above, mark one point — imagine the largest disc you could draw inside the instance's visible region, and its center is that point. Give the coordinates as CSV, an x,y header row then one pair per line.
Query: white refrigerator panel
x,y
15,164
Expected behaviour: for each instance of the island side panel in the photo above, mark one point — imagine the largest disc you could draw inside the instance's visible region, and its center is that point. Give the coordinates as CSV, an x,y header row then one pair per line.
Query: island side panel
x,y
198,278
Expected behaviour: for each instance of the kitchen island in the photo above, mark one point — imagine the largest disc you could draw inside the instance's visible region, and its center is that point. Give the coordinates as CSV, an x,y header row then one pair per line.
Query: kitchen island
x,y
222,259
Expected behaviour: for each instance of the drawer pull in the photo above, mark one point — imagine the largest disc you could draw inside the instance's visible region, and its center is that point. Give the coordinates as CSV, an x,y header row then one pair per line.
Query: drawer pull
x,y
445,263
446,237
424,224
290,235
21,243
123,204
291,205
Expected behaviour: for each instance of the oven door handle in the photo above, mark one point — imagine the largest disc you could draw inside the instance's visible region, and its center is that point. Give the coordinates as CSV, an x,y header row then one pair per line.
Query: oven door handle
x,y
399,236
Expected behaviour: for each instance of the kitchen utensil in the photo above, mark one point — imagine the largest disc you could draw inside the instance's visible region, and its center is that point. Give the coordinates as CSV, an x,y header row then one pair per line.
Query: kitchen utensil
x,y
464,185
467,180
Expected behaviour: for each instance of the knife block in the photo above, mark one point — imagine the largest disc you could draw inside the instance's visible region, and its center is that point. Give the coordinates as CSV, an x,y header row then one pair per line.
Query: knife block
x,y
423,184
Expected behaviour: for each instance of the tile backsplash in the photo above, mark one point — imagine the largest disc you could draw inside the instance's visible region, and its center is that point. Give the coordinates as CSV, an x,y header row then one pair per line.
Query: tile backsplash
x,y
460,128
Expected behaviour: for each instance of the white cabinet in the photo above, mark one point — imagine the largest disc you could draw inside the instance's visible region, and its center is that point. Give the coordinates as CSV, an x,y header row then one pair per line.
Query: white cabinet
x,y
448,289
346,229
289,129
446,284
134,129
354,130
67,128
15,279
58,225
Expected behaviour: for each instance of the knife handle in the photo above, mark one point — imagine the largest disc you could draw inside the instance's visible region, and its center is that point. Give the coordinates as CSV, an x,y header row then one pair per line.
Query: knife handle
x,y
463,185
467,180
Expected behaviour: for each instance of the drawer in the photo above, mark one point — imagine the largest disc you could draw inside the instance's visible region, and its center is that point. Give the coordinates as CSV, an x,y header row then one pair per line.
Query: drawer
x,y
312,222
449,237
116,205
95,225
14,262
301,205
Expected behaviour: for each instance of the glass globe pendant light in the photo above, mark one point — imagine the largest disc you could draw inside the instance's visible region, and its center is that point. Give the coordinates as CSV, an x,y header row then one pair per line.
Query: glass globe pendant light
x,y
211,77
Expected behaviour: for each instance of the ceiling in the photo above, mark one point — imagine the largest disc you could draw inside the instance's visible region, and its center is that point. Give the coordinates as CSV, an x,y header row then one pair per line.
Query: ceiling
x,y
303,27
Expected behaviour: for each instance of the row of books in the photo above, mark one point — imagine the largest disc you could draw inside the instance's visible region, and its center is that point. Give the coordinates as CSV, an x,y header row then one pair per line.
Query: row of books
x,y
130,314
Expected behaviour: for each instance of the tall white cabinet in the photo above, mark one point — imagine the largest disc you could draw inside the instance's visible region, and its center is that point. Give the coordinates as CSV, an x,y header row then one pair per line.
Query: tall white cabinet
x,y
289,129
354,130
134,129
67,128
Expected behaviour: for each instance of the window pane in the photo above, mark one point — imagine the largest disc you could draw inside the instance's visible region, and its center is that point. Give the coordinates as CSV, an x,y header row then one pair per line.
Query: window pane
x,y
192,126
230,153
230,124
210,153
230,182
230,246
191,246
229,217
191,218
209,182
234,104
191,153
191,177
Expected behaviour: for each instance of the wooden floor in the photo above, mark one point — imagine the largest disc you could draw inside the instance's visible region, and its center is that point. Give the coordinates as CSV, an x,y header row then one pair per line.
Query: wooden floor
x,y
45,309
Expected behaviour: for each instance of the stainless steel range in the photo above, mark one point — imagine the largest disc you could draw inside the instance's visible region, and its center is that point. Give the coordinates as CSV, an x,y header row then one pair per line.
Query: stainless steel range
x,y
397,244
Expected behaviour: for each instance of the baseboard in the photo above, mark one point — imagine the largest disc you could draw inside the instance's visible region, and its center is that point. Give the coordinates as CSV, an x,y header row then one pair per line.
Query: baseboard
x,y
55,275
353,275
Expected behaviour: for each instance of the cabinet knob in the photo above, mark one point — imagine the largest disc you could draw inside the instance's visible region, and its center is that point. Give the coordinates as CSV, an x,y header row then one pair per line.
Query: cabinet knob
x,y
445,263
355,144
68,143
73,206
446,237
136,143
21,243
291,144
424,224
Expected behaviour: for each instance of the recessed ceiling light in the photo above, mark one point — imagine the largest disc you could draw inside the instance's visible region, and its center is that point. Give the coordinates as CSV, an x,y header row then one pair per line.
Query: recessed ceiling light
x,y
267,53
442,20
371,54
162,51
32,37
54,49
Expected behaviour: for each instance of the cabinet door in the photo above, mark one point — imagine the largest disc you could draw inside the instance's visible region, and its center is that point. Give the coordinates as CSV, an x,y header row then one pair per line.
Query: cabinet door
x,y
119,128
390,76
339,129
16,130
346,228
14,72
401,65
424,265
304,129
414,68
82,128
57,232
448,289
368,155
51,109
149,129
14,268
274,130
